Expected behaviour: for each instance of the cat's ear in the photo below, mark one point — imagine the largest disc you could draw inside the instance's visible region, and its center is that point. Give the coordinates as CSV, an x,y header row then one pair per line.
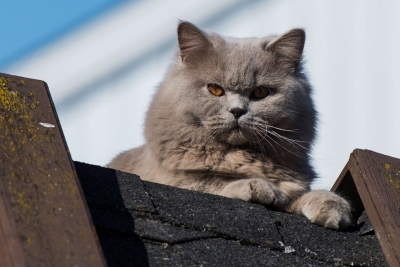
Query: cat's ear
x,y
288,48
193,43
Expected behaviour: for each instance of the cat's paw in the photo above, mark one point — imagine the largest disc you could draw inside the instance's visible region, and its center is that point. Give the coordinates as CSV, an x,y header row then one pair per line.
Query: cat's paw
x,y
255,190
325,208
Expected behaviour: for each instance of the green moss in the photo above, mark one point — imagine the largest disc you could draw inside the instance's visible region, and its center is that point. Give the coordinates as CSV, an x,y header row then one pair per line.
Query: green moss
x,y
37,177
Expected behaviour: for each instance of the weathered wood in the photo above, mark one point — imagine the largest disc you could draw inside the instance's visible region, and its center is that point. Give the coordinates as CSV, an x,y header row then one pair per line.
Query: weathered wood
x,y
376,178
44,220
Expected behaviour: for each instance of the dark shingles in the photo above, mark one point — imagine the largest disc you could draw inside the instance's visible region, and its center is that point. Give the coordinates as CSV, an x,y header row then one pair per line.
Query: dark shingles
x,y
126,251
165,256
145,228
221,252
121,251
155,230
230,217
133,193
117,221
366,227
146,224
115,189
342,247
114,224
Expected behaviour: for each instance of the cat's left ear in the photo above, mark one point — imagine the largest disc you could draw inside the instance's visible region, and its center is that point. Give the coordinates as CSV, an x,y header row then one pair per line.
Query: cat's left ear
x,y
288,48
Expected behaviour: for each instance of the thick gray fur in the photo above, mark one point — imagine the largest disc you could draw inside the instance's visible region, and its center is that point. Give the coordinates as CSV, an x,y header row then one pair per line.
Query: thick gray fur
x,y
197,140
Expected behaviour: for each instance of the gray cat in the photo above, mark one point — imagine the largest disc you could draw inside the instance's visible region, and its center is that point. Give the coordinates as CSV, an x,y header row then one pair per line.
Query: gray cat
x,y
234,117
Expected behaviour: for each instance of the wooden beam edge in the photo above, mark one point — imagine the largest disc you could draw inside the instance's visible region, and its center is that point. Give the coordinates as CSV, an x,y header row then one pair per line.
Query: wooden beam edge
x,y
76,179
392,254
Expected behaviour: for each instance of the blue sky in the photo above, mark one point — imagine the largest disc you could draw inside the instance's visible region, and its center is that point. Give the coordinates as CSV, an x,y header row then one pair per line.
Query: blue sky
x,y
27,25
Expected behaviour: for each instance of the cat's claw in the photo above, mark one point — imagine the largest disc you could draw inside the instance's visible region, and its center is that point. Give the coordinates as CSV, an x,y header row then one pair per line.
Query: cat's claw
x,y
255,190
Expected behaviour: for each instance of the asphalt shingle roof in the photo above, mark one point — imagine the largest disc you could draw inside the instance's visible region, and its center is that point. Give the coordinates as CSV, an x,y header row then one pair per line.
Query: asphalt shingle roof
x,y
141,223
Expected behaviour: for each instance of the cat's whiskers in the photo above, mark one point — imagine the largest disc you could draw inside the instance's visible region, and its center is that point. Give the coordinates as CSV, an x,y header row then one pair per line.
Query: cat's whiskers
x,y
214,135
283,138
261,129
280,129
286,149
211,134
289,140
198,137
258,141
257,135
273,133
213,126
244,138
264,138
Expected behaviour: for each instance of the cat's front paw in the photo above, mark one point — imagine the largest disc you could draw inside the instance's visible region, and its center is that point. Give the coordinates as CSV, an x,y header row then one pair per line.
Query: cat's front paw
x,y
255,190
325,208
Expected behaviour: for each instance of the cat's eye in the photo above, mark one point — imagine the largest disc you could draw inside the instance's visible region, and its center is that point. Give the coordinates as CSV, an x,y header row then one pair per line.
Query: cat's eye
x,y
215,89
259,92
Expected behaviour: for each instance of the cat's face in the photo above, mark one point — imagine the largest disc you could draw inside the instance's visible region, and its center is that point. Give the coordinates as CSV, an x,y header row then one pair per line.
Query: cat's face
x,y
238,91
243,113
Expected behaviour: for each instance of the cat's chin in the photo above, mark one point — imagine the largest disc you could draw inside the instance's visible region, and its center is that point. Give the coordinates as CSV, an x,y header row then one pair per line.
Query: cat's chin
x,y
236,138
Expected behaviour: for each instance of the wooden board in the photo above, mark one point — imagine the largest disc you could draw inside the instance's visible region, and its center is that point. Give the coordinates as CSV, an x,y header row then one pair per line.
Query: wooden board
x,y
376,178
44,220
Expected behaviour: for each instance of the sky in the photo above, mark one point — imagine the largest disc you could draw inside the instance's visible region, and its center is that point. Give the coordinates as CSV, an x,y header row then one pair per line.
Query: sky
x,y
28,25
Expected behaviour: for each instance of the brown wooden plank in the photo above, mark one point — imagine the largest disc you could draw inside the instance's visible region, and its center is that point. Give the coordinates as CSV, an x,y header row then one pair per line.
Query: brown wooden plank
x,y
377,179
44,220
10,249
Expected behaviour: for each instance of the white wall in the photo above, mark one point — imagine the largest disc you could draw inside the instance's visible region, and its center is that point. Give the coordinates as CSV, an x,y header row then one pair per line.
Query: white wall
x,y
103,75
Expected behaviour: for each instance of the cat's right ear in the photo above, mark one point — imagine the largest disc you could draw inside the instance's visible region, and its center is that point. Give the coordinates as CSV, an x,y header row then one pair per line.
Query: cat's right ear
x,y
193,43
288,48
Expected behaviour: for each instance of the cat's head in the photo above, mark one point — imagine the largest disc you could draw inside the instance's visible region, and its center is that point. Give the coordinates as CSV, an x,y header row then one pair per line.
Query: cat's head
x,y
235,91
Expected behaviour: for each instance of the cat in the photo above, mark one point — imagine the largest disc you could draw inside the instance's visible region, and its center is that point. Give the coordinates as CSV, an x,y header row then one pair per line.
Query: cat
x,y
234,117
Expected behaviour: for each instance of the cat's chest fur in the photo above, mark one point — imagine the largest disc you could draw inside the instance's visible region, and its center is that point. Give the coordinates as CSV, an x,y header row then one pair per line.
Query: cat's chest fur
x,y
230,162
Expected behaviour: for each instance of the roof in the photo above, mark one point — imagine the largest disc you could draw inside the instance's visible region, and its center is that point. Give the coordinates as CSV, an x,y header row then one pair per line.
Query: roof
x,y
56,212
140,222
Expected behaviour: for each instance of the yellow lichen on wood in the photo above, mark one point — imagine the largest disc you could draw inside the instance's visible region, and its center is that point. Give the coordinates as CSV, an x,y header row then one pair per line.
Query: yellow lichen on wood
x,y
393,181
17,131
38,180
8,98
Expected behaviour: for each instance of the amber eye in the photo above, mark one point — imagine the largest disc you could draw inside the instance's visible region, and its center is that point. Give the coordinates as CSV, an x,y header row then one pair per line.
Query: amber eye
x,y
215,89
260,92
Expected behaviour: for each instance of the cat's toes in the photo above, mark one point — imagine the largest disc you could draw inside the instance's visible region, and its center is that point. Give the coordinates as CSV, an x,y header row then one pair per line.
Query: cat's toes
x,y
327,209
255,190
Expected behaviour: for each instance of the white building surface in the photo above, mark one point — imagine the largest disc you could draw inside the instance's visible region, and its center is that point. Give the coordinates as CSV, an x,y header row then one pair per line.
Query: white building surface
x,y
102,76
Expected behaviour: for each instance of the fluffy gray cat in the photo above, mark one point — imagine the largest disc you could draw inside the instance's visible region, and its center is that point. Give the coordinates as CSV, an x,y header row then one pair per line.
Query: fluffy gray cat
x,y
234,117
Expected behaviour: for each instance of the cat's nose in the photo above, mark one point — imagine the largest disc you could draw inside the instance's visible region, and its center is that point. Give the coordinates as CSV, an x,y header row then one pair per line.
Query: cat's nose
x,y
237,112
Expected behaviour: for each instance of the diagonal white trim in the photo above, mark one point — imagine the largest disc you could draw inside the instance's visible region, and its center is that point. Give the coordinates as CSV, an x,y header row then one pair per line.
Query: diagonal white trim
x,y
111,41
